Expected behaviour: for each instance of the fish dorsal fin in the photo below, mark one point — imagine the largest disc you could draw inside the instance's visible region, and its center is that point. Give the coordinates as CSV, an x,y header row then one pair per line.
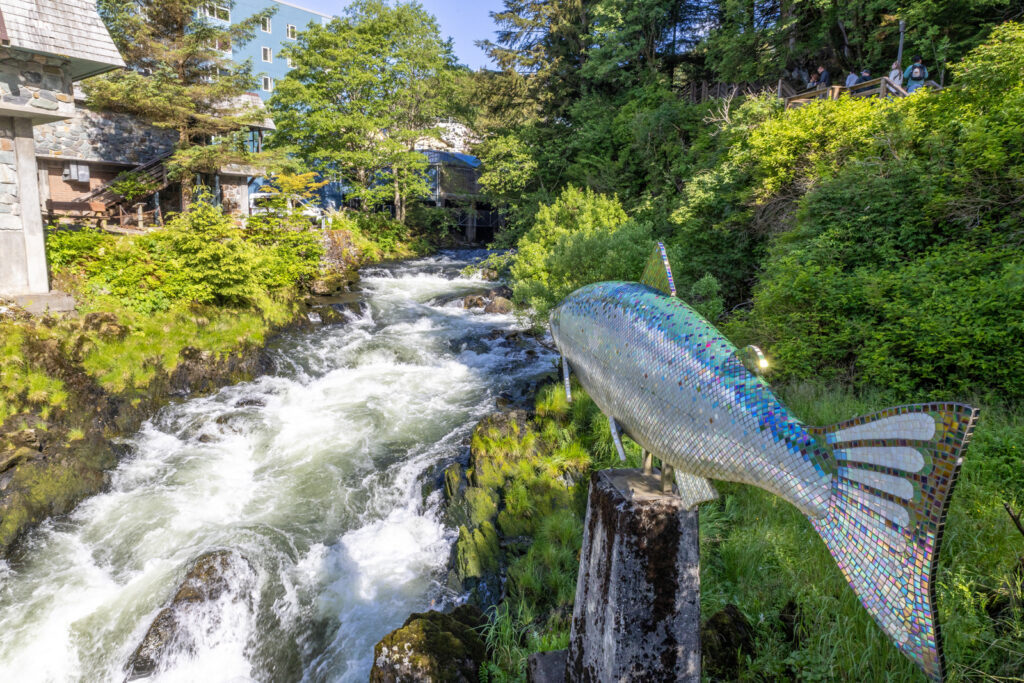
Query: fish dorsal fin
x,y
658,272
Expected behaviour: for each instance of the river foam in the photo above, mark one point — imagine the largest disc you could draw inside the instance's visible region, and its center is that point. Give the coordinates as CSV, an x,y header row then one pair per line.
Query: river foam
x,y
314,474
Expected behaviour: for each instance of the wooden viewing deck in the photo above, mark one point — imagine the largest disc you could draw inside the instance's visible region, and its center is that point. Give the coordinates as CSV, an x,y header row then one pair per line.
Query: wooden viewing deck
x,y
876,87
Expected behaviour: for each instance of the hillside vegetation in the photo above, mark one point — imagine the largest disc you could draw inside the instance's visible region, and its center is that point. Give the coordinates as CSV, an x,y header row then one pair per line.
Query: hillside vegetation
x,y
873,249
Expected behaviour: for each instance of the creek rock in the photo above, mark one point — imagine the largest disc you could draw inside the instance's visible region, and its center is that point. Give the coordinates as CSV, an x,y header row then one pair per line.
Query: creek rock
x,y
502,291
474,301
212,576
431,647
499,305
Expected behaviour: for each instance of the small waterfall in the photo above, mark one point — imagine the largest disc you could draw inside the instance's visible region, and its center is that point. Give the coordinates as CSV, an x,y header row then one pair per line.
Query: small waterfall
x,y
314,475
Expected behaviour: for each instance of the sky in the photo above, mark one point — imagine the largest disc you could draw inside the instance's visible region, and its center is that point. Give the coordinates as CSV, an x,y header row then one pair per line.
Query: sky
x,y
465,21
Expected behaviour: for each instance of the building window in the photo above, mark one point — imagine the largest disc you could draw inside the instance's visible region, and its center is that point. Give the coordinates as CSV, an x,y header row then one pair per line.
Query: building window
x,y
268,84
215,11
268,55
288,61
223,44
265,24
292,33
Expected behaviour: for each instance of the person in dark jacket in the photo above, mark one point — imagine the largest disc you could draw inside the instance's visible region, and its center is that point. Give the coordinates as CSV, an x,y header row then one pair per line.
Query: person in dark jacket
x,y
915,75
865,75
824,79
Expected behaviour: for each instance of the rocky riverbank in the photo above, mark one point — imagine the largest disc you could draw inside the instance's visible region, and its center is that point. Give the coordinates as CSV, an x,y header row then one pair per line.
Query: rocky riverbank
x,y
51,460
519,503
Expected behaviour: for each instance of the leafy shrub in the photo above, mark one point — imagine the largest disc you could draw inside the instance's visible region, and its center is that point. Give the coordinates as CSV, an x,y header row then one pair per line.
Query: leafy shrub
x,y
582,237
201,256
69,247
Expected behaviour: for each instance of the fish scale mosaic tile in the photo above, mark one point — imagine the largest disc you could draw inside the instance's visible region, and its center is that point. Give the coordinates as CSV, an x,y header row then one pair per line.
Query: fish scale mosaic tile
x,y
876,488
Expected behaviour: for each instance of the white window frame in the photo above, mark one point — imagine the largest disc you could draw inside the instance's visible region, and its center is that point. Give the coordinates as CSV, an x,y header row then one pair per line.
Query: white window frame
x,y
268,84
288,61
214,11
291,32
267,54
218,45
266,25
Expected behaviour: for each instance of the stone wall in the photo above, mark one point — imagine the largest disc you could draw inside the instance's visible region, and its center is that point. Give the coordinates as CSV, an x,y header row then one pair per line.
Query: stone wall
x,y
104,136
34,83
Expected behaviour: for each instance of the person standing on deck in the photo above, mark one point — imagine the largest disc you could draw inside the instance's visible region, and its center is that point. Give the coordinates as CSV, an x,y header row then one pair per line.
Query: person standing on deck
x,y
896,74
851,79
824,79
916,74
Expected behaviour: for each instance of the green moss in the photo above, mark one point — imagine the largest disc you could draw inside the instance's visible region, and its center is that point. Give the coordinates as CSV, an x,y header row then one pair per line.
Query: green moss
x,y
437,646
477,552
482,505
453,482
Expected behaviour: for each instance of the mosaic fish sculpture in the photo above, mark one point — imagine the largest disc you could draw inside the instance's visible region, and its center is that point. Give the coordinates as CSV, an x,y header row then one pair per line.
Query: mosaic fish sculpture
x,y
876,488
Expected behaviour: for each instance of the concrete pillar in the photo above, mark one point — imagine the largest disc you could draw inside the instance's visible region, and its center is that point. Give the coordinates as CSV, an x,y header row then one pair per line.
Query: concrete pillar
x,y
22,244
637,613
31,216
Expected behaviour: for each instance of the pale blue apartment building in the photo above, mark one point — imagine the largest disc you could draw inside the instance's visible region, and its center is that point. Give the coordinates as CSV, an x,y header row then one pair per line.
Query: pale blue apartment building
x,y
265,48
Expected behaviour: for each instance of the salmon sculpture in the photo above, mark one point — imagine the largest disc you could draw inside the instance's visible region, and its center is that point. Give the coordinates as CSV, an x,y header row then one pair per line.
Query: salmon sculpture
x,y
876,488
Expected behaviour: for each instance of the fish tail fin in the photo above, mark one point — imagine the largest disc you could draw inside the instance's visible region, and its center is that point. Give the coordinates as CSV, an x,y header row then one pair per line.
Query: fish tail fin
x,y
894,478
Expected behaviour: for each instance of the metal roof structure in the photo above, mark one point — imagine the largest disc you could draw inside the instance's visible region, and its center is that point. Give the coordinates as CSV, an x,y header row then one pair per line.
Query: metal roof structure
x,y
437,157
71,29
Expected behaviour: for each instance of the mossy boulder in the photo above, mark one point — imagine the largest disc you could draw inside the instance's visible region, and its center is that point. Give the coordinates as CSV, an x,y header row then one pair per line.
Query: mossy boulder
x,y
454,483
477,552
482,504
432,647
499,305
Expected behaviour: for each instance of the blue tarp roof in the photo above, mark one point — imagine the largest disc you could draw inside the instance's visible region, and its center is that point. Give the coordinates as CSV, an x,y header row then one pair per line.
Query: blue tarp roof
x,y
450,158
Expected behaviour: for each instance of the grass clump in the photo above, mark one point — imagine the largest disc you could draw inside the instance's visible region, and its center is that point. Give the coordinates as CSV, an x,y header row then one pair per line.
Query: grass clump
x,y
761,554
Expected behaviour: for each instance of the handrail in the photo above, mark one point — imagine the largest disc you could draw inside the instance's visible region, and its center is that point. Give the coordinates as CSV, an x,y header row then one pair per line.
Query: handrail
x,y
146,167
876,87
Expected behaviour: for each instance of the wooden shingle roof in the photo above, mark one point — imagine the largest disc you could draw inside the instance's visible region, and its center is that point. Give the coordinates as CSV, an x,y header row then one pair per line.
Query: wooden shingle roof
x,y
65,28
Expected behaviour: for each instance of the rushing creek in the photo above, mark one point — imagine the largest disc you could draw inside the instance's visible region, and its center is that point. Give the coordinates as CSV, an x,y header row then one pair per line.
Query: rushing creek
x,y
319,474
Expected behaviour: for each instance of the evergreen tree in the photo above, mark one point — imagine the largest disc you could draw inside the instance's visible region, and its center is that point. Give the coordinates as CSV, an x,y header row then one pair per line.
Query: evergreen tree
x,y
545,41
181,77
363,89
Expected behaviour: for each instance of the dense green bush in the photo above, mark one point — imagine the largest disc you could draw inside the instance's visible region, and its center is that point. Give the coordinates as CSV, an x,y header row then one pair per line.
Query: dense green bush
x,y
201,256
582,237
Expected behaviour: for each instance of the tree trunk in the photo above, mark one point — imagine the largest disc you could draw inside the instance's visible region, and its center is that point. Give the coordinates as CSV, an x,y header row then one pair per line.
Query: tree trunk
x,y
399,204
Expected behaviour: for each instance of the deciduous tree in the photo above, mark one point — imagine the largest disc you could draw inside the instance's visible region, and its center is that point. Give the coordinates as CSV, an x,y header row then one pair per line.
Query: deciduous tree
x,y
363,90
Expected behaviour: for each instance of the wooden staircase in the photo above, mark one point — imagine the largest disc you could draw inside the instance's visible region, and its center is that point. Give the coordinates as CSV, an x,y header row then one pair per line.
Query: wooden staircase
x,y
153,171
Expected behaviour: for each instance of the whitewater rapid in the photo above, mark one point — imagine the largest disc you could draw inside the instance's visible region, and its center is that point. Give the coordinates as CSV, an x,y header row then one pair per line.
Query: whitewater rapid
x,y
318,474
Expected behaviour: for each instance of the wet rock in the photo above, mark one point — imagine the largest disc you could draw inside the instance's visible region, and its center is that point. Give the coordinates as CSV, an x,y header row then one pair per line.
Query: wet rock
x,y
725,638
473,301
250,402
454,482
331,283
502,291
432,647
24,438
15,457
489,274
499,305
211,576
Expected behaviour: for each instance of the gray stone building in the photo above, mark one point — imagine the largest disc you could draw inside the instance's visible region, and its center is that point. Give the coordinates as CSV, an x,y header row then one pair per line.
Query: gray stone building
x,y
45,46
